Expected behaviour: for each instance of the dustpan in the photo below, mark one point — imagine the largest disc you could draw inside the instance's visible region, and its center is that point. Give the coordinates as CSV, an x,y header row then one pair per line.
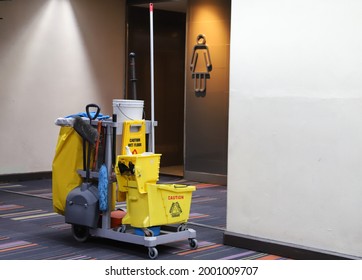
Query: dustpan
x,y
82,203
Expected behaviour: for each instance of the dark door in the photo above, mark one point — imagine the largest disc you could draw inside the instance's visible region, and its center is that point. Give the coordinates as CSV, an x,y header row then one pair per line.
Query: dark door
x,y
169,71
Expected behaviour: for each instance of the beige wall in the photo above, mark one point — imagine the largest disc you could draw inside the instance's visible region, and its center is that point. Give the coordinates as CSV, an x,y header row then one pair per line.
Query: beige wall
x,y
206,123
295,134
55,57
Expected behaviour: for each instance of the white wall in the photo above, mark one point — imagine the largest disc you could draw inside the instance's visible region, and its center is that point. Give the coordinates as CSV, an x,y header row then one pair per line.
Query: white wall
x,y
295,123
55,57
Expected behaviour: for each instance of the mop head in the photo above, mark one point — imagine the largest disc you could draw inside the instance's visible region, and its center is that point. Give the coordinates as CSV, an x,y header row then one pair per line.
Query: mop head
x,y
103,188
85,130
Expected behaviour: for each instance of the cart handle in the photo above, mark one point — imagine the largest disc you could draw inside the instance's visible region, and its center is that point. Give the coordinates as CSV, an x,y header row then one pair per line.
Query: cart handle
x,y
177,188
89,113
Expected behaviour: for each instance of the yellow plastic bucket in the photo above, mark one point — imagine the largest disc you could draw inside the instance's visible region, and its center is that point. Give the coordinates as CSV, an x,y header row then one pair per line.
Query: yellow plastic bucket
x,y
163,204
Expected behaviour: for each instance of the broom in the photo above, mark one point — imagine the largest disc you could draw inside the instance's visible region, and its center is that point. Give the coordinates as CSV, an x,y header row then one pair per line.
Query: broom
x,y
85,130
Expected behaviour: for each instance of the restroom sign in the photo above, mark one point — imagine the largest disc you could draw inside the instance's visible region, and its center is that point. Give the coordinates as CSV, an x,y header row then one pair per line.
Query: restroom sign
x,y
200,65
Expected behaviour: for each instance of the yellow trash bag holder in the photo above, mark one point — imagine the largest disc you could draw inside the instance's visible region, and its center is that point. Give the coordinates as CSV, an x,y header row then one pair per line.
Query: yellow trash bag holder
x,y
67,160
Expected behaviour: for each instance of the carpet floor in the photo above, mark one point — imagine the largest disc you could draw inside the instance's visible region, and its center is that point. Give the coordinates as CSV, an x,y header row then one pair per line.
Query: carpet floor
x,y
31,230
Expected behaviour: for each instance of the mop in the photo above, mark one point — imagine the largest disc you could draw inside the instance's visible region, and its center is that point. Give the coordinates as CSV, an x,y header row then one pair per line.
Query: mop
x,y
152,82
103,188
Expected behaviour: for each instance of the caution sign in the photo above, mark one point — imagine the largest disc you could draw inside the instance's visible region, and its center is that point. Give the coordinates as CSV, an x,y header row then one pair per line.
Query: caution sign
x,y
135,144
134,136
175,210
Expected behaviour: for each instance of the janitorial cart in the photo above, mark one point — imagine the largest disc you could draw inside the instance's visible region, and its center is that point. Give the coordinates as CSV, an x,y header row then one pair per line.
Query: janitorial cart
x,y
90,180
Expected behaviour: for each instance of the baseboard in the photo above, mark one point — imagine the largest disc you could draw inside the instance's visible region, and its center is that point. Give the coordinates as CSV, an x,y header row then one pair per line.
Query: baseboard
x,y
285,250
25,176
205,177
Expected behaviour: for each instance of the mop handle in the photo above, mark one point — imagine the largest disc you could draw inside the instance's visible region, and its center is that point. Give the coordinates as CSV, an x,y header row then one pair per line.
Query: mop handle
x,y
152,83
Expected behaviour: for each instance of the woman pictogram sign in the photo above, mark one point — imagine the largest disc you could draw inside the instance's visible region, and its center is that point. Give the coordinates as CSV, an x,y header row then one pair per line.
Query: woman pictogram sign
x,y
200,65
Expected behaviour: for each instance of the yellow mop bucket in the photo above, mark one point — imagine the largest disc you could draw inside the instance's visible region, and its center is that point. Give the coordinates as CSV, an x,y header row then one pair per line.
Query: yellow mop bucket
x,y
150,204
163,204
137,170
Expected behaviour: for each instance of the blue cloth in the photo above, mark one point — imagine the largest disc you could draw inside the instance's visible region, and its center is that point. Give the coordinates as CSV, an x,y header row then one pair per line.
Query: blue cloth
x,y
84,114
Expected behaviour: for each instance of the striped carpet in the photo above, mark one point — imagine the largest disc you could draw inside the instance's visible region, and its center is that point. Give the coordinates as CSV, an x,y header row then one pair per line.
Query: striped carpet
x,y
30,230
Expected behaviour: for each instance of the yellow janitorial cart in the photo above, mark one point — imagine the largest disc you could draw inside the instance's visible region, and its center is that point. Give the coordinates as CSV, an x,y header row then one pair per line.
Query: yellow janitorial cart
x,y
154,214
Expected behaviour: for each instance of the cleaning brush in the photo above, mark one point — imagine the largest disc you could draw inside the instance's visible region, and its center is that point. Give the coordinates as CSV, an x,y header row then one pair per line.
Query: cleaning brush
x,y
85,130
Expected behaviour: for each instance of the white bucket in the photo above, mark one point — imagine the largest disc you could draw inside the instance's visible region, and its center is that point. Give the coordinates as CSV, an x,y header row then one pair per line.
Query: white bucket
x,y
127,110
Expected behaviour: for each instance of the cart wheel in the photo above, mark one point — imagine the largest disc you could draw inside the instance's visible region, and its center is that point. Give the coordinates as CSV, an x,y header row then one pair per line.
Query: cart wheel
x,y
152,253
80,233
148,232
193,243
182,227
122,229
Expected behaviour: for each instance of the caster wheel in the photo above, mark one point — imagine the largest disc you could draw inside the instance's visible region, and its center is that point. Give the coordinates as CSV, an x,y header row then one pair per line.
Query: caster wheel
x,y
193,243
182,227
152,253
80,233
148,232
121,229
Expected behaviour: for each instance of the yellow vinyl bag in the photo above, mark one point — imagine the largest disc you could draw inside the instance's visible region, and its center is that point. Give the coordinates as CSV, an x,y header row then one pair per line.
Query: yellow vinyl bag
x,y
67,160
